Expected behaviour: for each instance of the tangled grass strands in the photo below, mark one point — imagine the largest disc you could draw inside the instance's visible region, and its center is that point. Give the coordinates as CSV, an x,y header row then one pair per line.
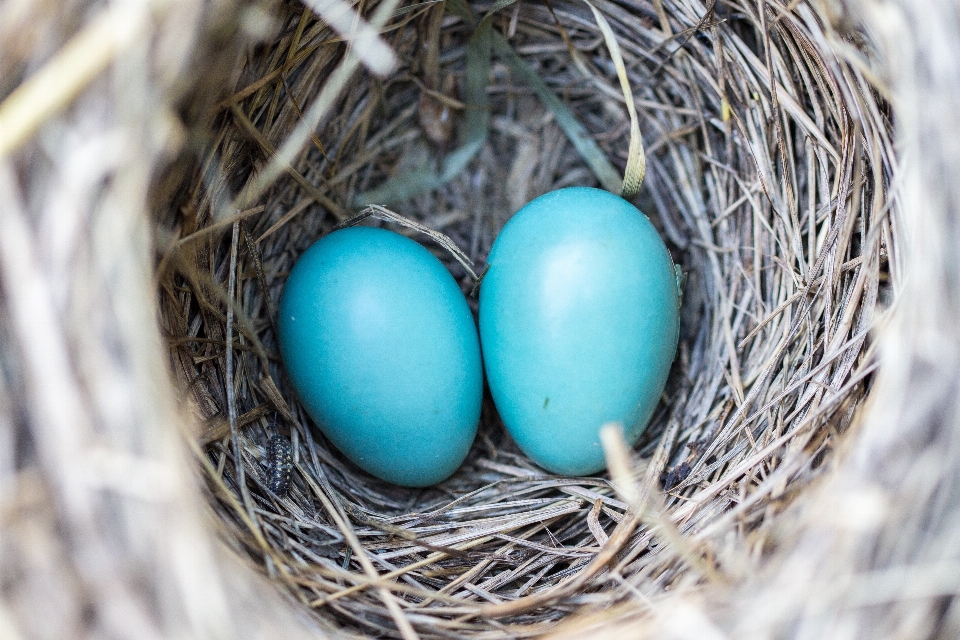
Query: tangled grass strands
x,y
774,197
771,172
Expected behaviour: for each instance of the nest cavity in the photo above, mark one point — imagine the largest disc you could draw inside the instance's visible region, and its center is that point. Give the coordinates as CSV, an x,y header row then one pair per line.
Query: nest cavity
x,y
768,165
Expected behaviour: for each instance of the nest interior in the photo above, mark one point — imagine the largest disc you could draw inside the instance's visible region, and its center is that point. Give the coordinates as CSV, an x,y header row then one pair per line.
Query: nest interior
x,y
768,165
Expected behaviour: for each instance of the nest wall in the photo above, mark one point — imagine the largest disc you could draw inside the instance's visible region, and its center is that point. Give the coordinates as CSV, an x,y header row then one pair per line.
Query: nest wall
x,y
769,173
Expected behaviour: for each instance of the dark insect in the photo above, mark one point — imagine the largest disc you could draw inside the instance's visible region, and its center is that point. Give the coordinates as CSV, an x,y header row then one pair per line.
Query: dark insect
x,y
279,465
676,476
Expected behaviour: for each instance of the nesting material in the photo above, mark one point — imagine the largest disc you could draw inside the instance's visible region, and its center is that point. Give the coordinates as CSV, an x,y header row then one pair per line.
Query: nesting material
x,y
768,165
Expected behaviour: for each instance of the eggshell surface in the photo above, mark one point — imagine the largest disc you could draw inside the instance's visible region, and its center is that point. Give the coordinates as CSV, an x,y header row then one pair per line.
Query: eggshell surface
x,y
579,322
382,349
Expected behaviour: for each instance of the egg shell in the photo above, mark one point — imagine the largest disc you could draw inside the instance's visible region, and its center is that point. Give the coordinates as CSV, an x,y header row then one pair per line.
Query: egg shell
x,y
382,349
579,322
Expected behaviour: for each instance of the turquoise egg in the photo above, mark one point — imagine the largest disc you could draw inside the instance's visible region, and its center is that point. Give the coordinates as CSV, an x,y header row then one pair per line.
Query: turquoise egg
x,y
382,350
579,321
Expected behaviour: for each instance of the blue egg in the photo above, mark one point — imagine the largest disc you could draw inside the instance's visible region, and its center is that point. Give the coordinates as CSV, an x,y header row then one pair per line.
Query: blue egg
x,y
382,349
579,321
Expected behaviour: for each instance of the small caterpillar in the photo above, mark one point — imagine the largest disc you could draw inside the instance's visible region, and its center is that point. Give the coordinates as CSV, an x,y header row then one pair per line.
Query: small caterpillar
x,y
279,465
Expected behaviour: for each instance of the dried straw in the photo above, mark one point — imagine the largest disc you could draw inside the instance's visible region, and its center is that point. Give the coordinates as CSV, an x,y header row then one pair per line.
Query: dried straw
x,y
770,171
772,193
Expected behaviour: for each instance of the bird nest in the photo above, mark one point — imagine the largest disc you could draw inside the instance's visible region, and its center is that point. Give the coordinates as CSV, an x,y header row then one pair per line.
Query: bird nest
x,y
767,171
766,175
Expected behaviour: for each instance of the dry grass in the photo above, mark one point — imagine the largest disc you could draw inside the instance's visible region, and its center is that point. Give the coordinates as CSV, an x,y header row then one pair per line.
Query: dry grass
x,y
769,171
768,174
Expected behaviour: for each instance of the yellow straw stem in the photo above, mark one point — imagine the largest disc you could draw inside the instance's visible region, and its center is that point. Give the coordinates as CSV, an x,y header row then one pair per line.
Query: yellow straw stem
x,y
63,77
